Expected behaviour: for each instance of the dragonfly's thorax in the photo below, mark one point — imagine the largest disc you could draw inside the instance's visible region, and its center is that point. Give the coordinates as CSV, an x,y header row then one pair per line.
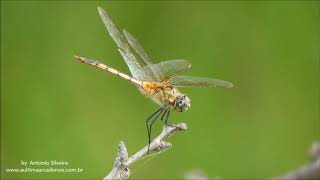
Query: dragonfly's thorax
x,y
167,95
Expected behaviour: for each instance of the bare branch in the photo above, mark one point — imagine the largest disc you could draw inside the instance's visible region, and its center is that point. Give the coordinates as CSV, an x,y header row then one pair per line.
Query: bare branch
x,y
122,162
308,171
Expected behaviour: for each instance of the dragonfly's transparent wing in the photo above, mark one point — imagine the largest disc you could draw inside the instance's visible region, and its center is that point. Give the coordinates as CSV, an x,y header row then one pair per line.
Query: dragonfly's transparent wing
x,y
134,43
165,70
137,73
124,48
189,81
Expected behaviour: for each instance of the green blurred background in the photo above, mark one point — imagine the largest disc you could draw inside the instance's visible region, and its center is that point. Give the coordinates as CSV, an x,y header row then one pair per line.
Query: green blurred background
x,y
55,108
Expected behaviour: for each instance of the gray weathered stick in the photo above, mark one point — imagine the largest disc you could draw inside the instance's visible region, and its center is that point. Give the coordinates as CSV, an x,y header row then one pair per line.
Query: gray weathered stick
x,y
308,171
122,162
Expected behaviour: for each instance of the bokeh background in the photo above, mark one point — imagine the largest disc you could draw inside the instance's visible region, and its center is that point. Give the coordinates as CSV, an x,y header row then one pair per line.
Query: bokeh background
x,y
55,108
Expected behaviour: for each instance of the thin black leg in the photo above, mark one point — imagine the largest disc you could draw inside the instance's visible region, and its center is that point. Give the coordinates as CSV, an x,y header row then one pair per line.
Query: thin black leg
x,y
150,117
150,122
167,118
150,128
164,114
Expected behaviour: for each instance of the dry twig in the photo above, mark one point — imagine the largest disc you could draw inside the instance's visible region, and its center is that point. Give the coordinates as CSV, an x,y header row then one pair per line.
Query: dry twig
x,y
122,162
308,171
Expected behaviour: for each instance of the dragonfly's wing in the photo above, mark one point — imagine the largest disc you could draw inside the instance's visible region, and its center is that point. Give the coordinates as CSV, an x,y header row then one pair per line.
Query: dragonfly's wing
x,y
166,70
134,43
124,48
189,81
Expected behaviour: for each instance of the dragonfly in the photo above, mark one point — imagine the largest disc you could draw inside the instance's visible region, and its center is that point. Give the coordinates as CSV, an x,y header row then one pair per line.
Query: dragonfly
x,y
157,81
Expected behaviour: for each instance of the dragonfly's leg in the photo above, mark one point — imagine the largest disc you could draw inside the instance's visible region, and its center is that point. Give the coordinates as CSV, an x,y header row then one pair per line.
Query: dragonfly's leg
x,y
150,119
167,118
164,114
150,122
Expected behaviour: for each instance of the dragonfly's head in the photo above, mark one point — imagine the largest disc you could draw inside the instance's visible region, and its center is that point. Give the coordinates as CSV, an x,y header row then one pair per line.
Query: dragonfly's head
x,y
182,103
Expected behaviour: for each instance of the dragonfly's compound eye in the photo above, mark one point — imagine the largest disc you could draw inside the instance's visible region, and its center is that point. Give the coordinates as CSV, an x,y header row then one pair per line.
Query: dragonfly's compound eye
x,y
183,103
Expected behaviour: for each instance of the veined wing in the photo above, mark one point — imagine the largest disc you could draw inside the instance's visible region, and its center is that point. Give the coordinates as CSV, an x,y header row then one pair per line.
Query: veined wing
x,y
161,71
166,70
189,81
124,48
134,43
